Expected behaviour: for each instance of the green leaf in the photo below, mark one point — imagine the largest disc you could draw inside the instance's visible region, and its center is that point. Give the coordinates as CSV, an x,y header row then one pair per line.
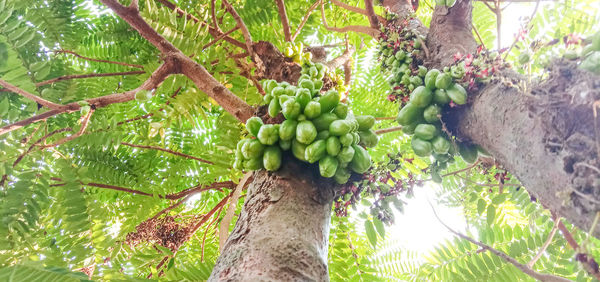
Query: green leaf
x,y
380,227
491,214
481,204
499,199
371,235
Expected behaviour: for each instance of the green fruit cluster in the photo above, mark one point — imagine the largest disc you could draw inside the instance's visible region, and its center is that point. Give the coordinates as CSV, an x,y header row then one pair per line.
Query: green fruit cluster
x,y
421,116
591,55
317,128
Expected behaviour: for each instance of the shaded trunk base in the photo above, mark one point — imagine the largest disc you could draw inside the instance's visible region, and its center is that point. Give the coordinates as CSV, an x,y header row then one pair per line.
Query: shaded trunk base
x,y
282,232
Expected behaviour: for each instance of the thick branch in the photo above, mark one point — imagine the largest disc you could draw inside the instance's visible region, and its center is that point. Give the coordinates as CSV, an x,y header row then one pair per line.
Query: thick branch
x,y
152,82
97,60
167,151
39,100
373,20
284,20
342,59
354,28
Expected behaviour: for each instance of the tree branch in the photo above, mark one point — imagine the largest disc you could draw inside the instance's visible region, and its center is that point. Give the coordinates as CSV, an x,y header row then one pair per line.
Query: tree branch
x,y
524,268
361,11
242,25
373,20
284,20
80,76
213,14
167,151
97,60
545,245
37,99
341,59
387,130
220,37
312,7
157,77
354,28
214,32
84,124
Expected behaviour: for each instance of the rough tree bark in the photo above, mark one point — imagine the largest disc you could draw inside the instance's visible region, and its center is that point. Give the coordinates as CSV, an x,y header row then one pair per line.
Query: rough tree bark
x,y
546,137
282,232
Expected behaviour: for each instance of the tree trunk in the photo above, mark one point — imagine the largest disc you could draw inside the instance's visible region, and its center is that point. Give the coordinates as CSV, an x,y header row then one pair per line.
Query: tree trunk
x,y
283,230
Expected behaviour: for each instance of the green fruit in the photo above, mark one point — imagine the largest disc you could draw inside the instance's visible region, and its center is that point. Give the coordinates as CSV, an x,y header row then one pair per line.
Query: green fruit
x,y
319,83
268,134
435,175
324,120
84,110
441,97
239,146
571,55
421,97
431,113
341,175
312,109
442,157
299,150
430,78
284,98
592,63
290,91
287,130
524,57
340,127
355,138
238,164
410,129
328,166
323,135
253,125
346,154
274,108
253,164
272,158
252,149
457,93
389,61
467,152
482,152
285,144
440,145
421,147
277,91
267,99
270,85
457,72
329,101
426,131
333,146
361,162
313,71
416,81
341,110
422,71
450,3
291,109
315,151
365,122
596,41
306,84
443,81
306,132
303,97
301,117
400,55
346,139
409,114
368,138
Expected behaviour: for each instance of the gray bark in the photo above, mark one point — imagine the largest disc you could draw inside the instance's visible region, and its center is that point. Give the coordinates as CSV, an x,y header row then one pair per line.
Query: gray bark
x,y
283,230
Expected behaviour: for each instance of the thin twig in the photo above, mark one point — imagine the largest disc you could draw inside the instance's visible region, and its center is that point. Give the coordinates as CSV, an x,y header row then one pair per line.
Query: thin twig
x,y
479,36
97,60
462,170
284,20
242,25
220,37
167,151
545,245
524,268
537,5
81,76
213,14
312,7
350,28
590,265
224,228
37,99
84,124
357,10
424,46
387,130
